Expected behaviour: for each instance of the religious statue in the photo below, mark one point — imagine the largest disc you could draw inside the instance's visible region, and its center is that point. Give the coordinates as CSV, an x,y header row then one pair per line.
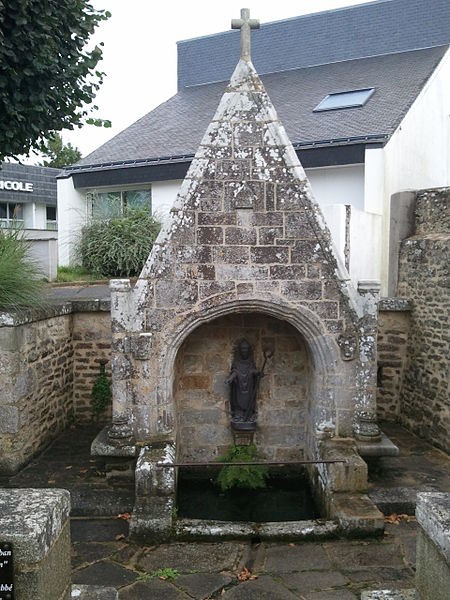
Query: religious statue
x,y
244,381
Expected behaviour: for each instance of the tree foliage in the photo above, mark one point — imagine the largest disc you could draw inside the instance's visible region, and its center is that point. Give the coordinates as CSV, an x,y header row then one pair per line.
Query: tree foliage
x,y
48,78
59,154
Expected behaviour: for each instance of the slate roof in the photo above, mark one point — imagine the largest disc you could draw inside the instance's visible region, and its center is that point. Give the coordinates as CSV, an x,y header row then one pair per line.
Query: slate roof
x,y
381,27
175,128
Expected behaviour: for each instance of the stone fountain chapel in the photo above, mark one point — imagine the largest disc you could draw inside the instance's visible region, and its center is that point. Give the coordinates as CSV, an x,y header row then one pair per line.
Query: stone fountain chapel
x,y
247,256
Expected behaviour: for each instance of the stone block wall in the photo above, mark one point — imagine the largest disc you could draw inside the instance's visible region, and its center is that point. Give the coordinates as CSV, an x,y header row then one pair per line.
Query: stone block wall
x,y
424,279
393,334
35,386
48,364
202,396
91,348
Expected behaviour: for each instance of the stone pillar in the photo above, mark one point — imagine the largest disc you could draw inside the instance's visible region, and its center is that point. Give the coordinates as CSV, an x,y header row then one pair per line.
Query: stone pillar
x,y
155,494
36,524
365,423
121,314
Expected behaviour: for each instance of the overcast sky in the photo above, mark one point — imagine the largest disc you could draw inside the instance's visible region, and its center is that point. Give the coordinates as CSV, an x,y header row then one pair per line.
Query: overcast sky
x,y
140,51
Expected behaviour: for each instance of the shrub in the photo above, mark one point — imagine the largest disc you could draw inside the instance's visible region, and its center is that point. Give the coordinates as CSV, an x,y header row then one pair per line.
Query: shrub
x,y
21,282
120,246
101,392
242,476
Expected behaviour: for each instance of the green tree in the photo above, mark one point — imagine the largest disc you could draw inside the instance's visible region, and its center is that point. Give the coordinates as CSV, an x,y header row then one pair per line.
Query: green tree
x,y
48,79
59,154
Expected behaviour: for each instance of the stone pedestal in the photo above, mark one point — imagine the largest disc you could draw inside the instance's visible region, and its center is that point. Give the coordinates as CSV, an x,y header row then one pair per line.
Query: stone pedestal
x,y
36,524
433,546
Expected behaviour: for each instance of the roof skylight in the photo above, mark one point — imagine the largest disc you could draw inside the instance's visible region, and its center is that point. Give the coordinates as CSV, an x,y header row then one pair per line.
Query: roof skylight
x,y
350,99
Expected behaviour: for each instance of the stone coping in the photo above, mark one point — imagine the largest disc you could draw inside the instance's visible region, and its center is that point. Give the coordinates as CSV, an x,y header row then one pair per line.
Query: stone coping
x,y
433,515
199,529
32,519
54,310
68,307
394,305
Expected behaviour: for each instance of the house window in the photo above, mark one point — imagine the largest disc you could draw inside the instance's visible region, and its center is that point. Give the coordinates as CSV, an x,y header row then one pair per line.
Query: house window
x,y
350,99
108,205
11,213
51,222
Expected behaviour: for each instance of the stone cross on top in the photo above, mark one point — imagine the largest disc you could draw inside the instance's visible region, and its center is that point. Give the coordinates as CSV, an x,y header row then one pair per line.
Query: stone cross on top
x,y
245,24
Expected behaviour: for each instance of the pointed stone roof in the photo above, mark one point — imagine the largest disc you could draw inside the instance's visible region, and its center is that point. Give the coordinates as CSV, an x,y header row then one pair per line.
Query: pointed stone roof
x,y
245,214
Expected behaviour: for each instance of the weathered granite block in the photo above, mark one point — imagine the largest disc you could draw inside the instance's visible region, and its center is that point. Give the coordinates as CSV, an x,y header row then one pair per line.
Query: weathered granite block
x,y
347,476
36,523
433,546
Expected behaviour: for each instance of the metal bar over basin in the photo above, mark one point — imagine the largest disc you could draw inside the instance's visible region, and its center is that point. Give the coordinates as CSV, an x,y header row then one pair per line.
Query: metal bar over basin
x,y
241,464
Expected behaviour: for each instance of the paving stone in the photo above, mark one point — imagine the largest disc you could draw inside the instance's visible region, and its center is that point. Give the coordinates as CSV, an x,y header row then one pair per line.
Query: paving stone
x,y
97,530
83,552
287,558
93,592
202,585
105,572
309,581
363,554
128,554
379,574
263,588
155,589
194,557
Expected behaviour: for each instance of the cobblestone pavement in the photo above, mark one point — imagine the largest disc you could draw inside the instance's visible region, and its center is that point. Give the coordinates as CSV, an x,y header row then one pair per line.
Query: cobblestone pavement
x,y
336,569
332,570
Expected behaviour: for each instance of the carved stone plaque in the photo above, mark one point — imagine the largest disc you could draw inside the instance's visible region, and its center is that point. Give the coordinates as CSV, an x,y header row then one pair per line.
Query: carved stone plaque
x,y
6,572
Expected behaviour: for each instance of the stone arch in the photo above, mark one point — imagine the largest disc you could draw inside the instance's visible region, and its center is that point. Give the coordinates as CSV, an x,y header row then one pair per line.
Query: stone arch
x,y
326,392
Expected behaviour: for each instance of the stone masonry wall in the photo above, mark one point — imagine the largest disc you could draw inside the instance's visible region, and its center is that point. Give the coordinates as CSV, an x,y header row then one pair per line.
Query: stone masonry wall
x,y
91,348
47,368
393,333
36,387
424,280
202,396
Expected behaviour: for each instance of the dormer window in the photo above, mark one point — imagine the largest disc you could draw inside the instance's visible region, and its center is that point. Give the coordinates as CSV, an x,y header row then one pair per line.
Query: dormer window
x,y
349,99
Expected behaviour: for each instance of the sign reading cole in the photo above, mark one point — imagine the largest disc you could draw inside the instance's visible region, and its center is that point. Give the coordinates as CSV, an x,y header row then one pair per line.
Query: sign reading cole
x,y
16,186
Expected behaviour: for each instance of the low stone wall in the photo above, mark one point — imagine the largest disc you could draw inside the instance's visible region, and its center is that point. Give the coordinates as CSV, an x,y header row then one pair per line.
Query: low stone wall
x,y
35,384
424,280
48,364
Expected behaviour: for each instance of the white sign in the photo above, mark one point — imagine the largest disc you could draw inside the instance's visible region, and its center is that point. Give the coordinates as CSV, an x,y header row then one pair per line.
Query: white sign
x,y
16,186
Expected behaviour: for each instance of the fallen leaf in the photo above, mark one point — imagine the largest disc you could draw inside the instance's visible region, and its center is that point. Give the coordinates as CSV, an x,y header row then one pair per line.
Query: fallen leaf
x,y
246,575
69,467
83,470
395,519
119,536
51,481
124,516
